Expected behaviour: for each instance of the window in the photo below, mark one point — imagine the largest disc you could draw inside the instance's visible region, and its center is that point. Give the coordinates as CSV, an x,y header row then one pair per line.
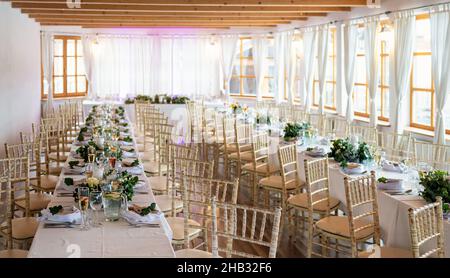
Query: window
x,y
69,78
243,80
360,89
422,91
383,85
330,83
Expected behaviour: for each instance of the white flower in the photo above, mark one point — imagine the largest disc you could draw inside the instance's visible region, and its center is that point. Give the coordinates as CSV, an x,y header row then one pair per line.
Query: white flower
x,y
92,182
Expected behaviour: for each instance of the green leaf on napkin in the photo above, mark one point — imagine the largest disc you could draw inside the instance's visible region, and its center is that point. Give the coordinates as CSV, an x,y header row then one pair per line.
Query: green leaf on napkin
x,y
68,181
73,163
128,139
54,210
382,180
124,124
135,163
149,209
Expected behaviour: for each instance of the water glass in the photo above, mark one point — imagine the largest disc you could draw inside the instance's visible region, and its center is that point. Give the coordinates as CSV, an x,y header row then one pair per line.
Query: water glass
x,y
96,202
83,203
113,202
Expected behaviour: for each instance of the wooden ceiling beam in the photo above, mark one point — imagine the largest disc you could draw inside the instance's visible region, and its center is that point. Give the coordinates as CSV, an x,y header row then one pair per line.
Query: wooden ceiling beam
x,y
152,25
36,13
198,9
259,3
163,23
204,19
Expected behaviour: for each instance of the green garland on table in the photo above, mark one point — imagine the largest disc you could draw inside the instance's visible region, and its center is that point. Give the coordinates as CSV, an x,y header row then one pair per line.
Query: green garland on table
x,y
343,152
127,182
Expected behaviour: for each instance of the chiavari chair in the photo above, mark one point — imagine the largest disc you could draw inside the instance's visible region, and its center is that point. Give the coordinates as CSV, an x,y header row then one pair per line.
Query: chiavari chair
x,y
317,121
316,201
243,145
198,190
251,225
364,133
435,155
55,133
335,125
397,147
16,229
288,182
260,166
426,225
39,180
299,115
160,166
5,200
151,121
361,223
229,138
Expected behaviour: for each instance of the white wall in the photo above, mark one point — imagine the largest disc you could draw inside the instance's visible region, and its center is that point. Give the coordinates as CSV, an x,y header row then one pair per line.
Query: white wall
x,y
19,74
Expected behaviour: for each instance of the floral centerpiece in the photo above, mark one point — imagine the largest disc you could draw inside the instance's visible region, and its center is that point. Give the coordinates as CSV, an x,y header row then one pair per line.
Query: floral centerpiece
x,y
436,183
235,107
293,130
345,151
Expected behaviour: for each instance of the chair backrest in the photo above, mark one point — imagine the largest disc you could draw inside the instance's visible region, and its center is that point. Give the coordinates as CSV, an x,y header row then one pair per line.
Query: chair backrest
x,y
317,121
287,156
336,125
426,225
32,150
396,146
251,225
299,115
197,195
317,184
260,149
365,133
435,155
362,206
229,133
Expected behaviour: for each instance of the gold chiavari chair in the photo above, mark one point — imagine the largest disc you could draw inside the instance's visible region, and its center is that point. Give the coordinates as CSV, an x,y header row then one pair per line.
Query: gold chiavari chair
x,y
364,133
288,182
260,166
316,201
397,147
335,125
39,181
198,253
248,225
362,221
160,167
426,225
317,121
5,201
197,189
243,143
149,147
55,133
17,229
229,138
299,115
435,155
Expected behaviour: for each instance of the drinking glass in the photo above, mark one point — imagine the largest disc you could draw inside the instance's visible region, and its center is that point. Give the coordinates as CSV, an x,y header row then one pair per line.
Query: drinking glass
x,y
96,202
113,202
83,203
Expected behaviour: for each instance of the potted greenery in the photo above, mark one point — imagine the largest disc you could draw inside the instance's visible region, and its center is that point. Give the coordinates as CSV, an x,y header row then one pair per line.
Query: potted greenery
x,y
168,99
436,183
156,100
343,151
292,131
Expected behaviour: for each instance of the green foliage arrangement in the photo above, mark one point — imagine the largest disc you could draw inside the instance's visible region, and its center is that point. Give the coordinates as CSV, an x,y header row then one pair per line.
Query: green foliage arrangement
x,y
343,152
127,182
436,183
292,130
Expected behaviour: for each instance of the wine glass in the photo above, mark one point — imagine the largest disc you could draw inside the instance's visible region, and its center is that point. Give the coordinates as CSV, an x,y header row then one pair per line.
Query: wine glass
x,y
83,203
96,202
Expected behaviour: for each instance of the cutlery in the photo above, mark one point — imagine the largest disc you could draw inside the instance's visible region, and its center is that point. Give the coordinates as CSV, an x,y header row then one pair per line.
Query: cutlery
x,y
138,225
393,193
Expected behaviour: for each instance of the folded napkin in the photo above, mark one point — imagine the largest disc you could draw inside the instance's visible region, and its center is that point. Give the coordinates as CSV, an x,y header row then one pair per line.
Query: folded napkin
x,y
141,187
127,162
324,141
316,151
354,169
134,218
390,184
123,143
129,155
74,171
391,166
127,148
72,215
134,170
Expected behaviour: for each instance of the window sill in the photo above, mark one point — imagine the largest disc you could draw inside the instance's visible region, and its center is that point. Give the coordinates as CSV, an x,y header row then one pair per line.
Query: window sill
x,y
425,133
64,98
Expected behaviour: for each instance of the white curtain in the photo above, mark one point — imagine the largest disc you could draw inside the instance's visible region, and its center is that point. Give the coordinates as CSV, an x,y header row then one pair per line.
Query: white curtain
x,y
400,66
372,56
129,65
259,62
341,96
440,53
309,47
290,65
279,73
47,64
322,59
88,55
350,44
228,51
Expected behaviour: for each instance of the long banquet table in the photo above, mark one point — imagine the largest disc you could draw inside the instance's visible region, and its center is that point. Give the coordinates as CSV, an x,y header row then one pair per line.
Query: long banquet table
x,y
111,239
393,209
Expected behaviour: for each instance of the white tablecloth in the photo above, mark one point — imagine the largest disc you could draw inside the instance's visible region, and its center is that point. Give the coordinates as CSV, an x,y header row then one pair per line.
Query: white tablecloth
x,y
111,239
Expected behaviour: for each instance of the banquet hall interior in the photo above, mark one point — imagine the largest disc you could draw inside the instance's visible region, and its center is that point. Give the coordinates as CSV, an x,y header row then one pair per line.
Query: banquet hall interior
x,y
225,129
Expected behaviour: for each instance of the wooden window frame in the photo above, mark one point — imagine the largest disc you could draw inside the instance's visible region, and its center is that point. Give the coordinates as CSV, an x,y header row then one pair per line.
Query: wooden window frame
x,y
241,77
65,76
